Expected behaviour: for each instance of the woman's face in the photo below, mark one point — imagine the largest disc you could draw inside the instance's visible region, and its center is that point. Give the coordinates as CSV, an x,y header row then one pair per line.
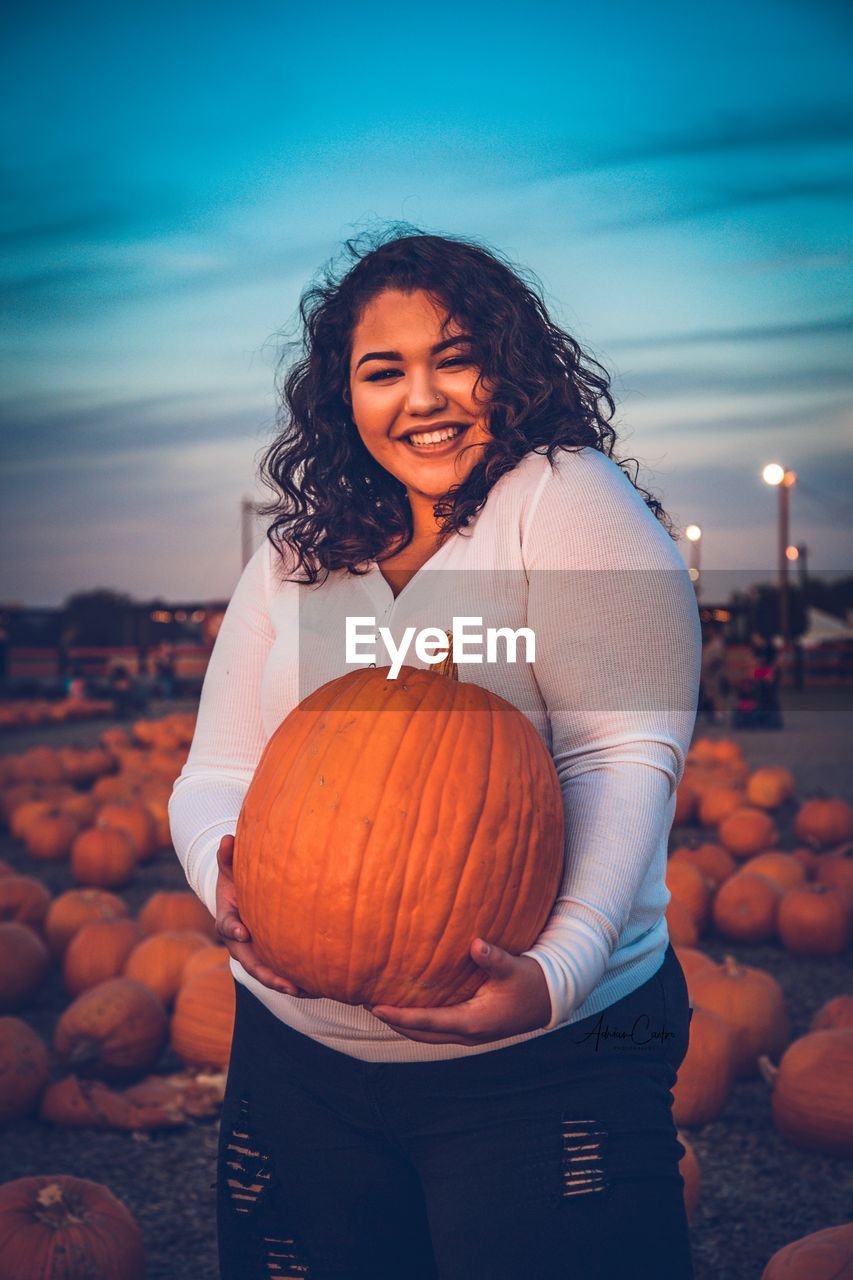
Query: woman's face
x,y
401,385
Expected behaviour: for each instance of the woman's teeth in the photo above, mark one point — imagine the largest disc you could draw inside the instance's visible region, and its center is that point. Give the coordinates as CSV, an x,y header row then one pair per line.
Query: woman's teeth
x,y
425,439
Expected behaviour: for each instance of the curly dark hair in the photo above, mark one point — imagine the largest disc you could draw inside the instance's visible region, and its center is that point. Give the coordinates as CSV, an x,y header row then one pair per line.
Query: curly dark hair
x,y
336,506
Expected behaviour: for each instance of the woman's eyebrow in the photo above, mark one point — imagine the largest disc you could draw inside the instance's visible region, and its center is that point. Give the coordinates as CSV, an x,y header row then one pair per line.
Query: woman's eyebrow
x,y
395,355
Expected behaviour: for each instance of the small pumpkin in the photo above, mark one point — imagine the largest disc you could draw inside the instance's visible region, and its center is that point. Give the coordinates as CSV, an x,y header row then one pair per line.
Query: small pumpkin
x,y
692,962
76,907
104,857
707,1072
746,831
689,886
715,862
203,1019
751,1002
680,925
24,1069
746,907
814,920
159,959
835,1014
24,961
177,910
812,1099
823,1255
717,803
137,821
98,951
57,1227
25,899
786,871
824,821
836,869
116,1031
770,787
48,837
205,958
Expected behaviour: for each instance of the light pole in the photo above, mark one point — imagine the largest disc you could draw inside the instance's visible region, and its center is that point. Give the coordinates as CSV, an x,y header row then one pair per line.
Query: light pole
x,y
783,480
693,534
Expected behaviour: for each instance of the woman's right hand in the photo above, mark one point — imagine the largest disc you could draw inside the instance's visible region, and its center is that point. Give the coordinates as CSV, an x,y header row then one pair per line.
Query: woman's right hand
x,y
233,931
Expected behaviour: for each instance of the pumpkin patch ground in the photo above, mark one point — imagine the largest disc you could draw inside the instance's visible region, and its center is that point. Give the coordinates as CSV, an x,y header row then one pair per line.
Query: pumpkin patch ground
x,y
758,1191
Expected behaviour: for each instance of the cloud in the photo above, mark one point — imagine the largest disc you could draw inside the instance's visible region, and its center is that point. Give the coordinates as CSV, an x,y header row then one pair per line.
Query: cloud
x,y
722,380
55,431
820,126
746,333
734,198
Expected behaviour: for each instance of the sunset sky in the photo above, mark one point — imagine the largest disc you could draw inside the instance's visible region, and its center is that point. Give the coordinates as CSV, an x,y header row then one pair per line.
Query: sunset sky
x,y
678,177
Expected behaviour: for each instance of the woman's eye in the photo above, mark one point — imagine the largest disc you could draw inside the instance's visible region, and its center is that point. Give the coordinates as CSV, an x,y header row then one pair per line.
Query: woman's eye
x,y
379,376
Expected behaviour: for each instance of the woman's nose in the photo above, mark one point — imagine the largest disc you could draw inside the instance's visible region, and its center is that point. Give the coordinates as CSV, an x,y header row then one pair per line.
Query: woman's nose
x,y
423,394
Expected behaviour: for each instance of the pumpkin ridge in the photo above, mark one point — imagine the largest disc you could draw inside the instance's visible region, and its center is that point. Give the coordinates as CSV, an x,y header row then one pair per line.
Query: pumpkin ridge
x,y
431,970
404,911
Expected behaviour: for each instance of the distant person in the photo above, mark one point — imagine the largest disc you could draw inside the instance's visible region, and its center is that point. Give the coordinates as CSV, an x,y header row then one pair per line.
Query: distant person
x,y
121,688
165,669
75,685
713,673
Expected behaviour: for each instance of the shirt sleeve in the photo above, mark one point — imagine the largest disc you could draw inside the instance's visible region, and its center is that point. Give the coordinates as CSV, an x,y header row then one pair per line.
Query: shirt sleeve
x,y
617,654
229,735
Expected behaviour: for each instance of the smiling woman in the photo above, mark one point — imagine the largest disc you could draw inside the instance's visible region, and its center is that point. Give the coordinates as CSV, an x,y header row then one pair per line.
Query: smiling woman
x,y
438,419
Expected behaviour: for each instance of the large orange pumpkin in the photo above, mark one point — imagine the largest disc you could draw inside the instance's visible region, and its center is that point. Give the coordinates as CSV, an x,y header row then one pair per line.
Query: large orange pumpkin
x,y
823,1255
812,1100
56,1227
388,824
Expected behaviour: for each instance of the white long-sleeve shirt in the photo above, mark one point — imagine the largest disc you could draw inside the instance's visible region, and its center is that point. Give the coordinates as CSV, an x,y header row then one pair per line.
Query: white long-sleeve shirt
x,y
573,553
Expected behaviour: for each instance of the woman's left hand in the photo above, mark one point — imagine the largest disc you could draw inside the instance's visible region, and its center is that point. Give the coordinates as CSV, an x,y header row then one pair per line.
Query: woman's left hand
x,y
513,999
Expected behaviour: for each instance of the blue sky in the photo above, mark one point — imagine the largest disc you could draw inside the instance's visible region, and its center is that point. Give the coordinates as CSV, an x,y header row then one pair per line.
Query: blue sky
x,y
678,178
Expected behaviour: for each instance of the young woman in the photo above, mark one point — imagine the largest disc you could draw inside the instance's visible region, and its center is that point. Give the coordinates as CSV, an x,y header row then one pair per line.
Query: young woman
x,y
446,450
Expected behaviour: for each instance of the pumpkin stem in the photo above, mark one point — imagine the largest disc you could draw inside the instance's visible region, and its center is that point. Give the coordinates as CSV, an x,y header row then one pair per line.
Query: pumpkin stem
x,y
447,667
767,1069
731,967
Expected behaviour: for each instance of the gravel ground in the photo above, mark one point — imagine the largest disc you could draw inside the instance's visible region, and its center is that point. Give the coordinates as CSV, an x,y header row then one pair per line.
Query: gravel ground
x,y
758,1191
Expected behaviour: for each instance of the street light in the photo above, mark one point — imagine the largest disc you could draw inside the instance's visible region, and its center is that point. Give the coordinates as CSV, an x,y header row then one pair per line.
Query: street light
x,y
693,534
778,477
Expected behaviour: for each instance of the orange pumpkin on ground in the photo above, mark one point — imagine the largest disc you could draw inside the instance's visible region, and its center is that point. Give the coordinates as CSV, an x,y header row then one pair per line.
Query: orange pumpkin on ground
x,y
56,1227
116,1031
346,890
48,837
136,820
177,910
747,831
707,1073
158,960
837,1013
25,899
836,869
814,920
203,1020
680,925
685,805
812,1098
104,857
205,958
76,907
689,886
746,907
24,961
752,1003
824,822
693,962
807,858
717,803
98,951
823,1255
24,1069
715,862
783,869
770,787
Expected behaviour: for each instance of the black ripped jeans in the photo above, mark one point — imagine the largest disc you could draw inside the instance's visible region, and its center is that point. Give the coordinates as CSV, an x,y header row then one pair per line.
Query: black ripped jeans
x,y
552,1159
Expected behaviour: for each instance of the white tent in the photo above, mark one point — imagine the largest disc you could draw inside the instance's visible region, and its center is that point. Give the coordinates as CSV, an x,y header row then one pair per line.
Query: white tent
x,y
824,626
